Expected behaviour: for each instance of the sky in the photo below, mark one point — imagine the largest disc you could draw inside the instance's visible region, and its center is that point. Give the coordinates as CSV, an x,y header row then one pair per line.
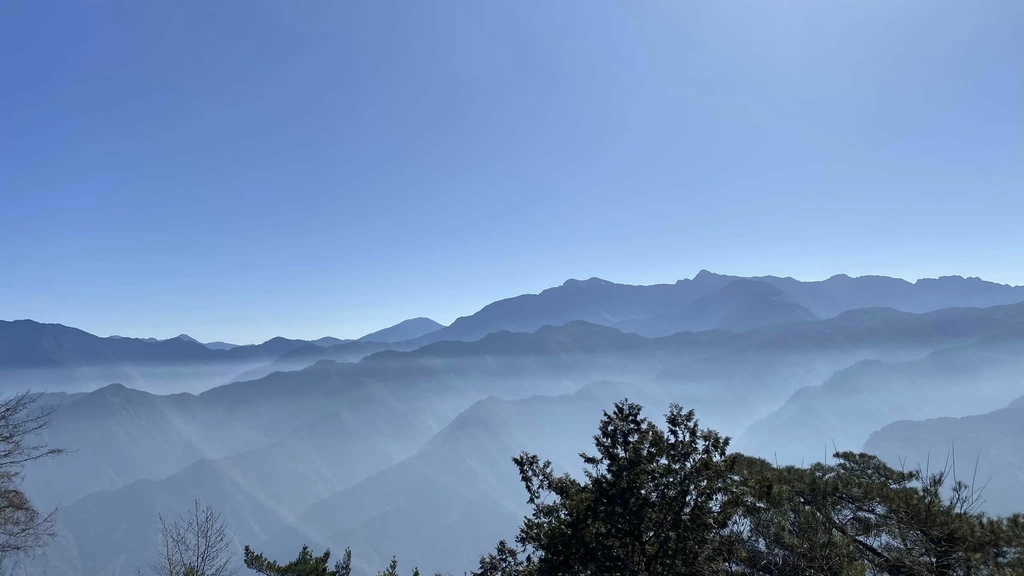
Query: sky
x,y
240,170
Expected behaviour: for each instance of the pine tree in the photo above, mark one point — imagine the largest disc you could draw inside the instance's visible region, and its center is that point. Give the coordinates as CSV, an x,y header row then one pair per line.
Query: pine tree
x,y
306,564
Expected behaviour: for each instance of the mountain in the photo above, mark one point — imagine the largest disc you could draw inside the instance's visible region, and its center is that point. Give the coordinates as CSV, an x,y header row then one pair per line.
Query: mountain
x,y
595,300
56,357
218,345
461,477
979,374
346,421
328,341
602,302
116,337
731,378
987,450
841,293
404,330
704,302
692,304
211,345
299,358
114,436
52,356
339,432
739,306
325,341
460,493
121,436
257,490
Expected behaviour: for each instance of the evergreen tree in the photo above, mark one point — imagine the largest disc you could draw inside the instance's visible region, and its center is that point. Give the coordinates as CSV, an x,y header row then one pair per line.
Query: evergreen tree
x,y
671,502
652,503
306,564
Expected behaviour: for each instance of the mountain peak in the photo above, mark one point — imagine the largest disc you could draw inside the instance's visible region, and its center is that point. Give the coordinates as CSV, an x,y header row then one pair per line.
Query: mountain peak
x,y
115,389
404,330
186,338
592,281
706,274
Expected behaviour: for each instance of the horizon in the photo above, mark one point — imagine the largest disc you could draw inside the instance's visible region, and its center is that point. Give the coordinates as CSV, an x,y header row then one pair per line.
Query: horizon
x,y
538,291
249,170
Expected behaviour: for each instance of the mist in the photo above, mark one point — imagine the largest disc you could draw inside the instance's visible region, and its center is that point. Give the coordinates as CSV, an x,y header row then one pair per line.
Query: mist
x,y
404,447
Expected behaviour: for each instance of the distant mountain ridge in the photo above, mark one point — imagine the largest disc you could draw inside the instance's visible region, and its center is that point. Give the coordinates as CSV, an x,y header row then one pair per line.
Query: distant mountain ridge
x,y
602,302
739,306
705,302
405,330
56,357
400,336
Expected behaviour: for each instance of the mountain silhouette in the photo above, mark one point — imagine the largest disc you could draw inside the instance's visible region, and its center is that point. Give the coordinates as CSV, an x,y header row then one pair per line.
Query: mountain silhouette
x,y
404,330
740,305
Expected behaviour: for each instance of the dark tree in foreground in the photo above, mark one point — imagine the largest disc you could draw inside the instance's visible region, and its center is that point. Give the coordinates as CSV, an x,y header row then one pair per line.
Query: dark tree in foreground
x,y
670,502
306,564
860,516
309,564
652,503
23,528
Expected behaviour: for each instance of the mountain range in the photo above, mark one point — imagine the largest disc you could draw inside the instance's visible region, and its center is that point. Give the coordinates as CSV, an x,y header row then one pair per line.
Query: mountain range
x,y
399,442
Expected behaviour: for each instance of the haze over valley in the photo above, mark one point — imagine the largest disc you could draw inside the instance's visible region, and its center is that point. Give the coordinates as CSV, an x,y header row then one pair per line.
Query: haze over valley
x,y
398,443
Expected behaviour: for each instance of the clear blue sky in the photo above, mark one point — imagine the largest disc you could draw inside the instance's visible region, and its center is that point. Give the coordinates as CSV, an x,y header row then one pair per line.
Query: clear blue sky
x,y
239,170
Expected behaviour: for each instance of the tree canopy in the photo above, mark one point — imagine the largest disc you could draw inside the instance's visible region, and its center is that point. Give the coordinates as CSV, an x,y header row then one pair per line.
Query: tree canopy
x,y
671,501
306,564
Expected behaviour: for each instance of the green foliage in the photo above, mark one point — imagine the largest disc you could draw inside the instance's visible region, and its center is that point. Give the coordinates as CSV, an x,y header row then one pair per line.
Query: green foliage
x,y
505,561
306,564
650,503
860,516
671,502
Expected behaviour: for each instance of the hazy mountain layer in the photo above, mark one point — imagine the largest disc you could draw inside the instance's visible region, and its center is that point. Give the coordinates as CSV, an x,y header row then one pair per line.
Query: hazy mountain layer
x,y
334,424
461,493
856,401
257,490
360,439
55,357
707,301
987,451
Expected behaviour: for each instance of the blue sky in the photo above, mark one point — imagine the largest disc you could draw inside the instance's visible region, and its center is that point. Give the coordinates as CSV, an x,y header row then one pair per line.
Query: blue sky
x,y
239,170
